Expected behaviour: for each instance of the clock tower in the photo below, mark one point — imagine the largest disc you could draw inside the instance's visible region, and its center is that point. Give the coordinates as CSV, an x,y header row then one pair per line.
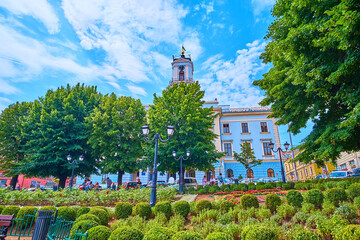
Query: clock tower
x,y
182,69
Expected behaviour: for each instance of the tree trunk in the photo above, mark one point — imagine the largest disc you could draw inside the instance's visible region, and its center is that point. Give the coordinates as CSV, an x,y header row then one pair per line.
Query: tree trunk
x,y
13,181
62,181
120,174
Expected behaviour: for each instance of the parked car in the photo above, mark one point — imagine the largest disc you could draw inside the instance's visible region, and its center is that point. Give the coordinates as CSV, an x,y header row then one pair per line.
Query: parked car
x,y
188,182
268,179
131,185
356,172
246,180
340,174
320,176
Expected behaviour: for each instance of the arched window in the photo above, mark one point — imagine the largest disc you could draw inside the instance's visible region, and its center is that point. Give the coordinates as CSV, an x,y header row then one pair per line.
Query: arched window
x,y
209,174
250,173
191,173
181,76
270,172
229,173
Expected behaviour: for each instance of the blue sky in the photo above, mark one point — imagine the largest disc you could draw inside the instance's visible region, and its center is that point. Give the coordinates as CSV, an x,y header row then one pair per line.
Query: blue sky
x,y
126,47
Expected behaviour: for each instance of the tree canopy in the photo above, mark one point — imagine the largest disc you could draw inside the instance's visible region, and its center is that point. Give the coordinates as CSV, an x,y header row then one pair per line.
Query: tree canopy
x,y
247,156
181,106
314,50
115,127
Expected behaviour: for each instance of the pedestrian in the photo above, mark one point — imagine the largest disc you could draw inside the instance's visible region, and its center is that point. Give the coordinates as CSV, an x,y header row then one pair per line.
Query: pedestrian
x,y
108,182
204,181
221,180
137,179
212,181
113,186
96,186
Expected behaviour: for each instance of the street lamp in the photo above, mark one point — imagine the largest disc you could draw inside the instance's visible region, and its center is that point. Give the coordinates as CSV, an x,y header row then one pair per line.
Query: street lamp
x,y
146,130
286,145
181,158
68,157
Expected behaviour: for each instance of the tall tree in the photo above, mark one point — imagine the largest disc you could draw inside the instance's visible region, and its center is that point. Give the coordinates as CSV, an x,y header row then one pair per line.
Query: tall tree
x,y
115,127
181,105
11,141
314,50
55,128
247,157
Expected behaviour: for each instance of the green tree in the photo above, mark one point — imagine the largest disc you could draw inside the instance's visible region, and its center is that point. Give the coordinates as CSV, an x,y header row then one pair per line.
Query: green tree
x,y
314,50
11,142
114,136
55,128
181,106
247,157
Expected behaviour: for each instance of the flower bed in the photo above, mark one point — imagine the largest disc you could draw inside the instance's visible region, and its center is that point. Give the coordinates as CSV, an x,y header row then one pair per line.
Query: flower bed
x,y
256,192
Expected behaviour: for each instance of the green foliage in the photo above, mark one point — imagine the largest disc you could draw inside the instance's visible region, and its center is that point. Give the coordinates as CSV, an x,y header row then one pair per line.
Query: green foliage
x,y
143,210
251,186
294,198
123,210
202,205
248,201
328,208
354,190
225,206
350,232
335,195
272,201
347,212
219,236
300,217
88,216
279,184
177,223
313,51
306,235
258,233
10,210
186,235
102,214
288,185
163,207
201,191
159,233
225,219
181,106
314,196
277,218
263,213
99,233
126,233
247,156
286,211
1,208
313,220
181,207
82,227
26,211
67,213
308,207
82,210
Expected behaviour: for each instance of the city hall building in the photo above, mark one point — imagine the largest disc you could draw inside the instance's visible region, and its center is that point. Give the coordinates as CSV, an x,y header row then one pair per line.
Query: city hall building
x,y
234,126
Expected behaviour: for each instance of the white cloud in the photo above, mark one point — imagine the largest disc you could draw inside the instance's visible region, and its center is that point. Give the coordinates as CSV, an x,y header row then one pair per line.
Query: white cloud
x,y
209,7
39,9
261,5
4,102
136,90
231,81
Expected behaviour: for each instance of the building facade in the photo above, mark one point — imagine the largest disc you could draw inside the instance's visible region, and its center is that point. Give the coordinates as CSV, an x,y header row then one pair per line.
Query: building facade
x,y
348,161
233,126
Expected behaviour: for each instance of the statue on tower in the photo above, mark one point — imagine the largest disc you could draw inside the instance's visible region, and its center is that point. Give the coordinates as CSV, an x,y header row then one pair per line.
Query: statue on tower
x,y
183,50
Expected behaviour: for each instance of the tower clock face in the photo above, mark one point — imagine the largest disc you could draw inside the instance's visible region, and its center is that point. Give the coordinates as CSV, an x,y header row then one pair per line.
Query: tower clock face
x,y
181,67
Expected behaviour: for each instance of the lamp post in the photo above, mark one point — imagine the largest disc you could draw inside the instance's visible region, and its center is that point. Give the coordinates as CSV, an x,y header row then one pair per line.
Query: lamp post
x,y
286,145
68,157
181,158
145,131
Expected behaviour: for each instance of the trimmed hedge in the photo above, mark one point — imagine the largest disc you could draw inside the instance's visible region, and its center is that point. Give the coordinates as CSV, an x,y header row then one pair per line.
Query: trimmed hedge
x,y
82,210
294,198
249,201
102,214
314,196
335,196
272,201
82,227
88,217
163,207
225,206
99,233
162,233
186,235
1,208
354,190
306,235
10,210
123,210
26,211
143,209
219,236
182,208
258,233
202,205
67,213
126,233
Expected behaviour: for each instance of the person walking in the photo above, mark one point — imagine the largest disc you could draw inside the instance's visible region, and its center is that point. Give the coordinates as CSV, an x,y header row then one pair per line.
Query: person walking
x,y
221,180
108,182
204,181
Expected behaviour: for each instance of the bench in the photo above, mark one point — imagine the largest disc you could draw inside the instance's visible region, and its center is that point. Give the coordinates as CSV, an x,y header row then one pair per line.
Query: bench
x,y
5,222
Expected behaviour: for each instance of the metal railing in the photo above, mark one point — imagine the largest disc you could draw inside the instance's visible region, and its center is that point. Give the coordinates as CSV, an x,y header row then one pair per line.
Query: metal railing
x,y
59,230
21,227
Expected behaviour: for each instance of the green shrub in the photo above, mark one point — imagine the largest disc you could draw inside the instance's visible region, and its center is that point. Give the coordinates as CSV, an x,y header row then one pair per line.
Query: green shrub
x,y
213,189
251,186
260,187
343,184
192,207
88,216
67,213
199,187
181,207
219,236
123,210
10,210
263,213
26,211
201,191
279,184
258,233
299,186
261,183
357,202
82,227
101,214
335,196
294,198
202,205
243,186
82,210
314,196
346,212
313,220
249,201
328,208
1,208
321,187
76,208
225,219
300,217
126,233
308,207
186,235
159,233
272,201
270,185
286,211
331,184
99,233
350,232
234,186
244,215
225,206
143,209
277,218
163,207
288,185
222,187
306,235
177,223
216,204
354,190
48,208
227,189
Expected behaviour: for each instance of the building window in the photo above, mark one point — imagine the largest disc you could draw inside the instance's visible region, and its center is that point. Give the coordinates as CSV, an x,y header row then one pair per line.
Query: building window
x,y
311,171
244,128
267,149
301,174
264,128
209,174
181,76
227,148
250,173
286,168
343,166
270,172
229,173
306,172
226,128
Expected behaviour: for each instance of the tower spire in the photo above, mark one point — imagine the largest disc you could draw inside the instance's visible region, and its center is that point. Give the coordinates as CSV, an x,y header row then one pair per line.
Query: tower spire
x,y
183,50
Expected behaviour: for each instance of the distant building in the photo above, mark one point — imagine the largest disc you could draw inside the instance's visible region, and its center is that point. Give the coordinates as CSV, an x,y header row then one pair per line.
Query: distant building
x,y
348,161
27,182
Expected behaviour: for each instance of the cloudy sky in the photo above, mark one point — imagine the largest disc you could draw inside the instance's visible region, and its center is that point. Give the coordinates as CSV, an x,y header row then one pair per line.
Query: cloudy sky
x,y
126,47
